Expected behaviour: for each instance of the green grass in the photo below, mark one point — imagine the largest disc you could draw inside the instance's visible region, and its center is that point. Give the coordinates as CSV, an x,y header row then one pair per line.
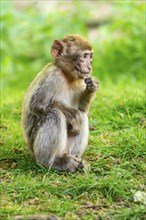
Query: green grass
x,y
116,152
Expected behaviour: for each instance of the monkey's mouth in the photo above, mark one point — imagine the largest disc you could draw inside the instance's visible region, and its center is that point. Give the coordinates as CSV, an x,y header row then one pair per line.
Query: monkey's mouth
x,y
83,70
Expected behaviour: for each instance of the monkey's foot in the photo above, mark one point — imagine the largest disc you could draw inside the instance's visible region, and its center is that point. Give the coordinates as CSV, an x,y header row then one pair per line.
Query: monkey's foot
x,y
67,163
84,166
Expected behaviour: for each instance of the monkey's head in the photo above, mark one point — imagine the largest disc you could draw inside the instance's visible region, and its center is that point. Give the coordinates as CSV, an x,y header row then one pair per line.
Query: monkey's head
x,y
73,54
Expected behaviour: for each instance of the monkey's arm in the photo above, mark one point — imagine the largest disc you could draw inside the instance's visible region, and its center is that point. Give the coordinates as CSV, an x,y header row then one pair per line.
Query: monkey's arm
x,y
88,95
42,101
42,98
37,103
73,117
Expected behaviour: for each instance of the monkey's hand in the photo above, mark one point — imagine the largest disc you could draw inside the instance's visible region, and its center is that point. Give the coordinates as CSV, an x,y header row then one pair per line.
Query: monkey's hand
x,y
91,84
74,123
73,118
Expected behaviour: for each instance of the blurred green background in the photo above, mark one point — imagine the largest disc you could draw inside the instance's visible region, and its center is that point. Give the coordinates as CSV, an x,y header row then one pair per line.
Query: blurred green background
x,y
28,28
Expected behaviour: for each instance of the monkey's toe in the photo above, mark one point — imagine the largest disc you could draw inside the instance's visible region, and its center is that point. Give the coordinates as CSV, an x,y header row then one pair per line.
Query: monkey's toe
x,y
73,164
84,166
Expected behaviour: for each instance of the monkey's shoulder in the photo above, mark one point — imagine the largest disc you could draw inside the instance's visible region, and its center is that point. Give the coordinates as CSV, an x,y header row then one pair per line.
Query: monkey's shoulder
x,y
50,70
49,74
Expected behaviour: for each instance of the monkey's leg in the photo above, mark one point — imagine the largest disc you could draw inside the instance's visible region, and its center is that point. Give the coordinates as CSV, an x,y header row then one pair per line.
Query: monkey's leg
x,y
50,145
77,144
51,138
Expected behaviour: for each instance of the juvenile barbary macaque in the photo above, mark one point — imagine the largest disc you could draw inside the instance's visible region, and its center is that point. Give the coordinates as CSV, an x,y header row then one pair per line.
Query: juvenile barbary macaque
x,y
56,105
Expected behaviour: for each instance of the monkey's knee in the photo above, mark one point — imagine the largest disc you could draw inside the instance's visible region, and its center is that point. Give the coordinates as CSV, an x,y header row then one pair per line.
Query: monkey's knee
x,y
51,138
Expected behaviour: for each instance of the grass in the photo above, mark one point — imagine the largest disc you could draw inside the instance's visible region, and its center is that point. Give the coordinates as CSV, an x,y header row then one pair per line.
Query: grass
x,y
116,152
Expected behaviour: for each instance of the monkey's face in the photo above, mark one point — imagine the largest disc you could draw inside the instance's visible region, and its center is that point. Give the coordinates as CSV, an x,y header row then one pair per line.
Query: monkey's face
x,y
83,63
74,55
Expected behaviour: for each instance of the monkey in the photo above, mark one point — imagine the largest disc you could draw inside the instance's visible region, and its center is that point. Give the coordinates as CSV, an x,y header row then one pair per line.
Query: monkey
x,y
56,106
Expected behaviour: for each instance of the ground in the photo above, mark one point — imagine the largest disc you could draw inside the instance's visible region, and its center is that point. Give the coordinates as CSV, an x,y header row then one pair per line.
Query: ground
x,y
116,154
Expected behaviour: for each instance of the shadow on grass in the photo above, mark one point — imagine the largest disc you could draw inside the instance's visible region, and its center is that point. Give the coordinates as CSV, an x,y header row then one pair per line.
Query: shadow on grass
x,y
20,160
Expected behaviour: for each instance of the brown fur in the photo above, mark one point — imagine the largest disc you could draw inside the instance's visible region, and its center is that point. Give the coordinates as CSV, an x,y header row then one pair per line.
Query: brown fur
x,y
78,41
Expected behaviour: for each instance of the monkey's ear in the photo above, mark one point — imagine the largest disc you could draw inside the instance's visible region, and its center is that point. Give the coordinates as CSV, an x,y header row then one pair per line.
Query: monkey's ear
x,y
56,49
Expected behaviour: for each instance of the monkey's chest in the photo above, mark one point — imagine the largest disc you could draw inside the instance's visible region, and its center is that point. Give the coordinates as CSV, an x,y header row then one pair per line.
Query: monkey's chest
x,y
70,98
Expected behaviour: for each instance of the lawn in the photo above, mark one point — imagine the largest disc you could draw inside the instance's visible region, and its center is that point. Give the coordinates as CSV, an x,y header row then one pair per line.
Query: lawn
x,y
116,150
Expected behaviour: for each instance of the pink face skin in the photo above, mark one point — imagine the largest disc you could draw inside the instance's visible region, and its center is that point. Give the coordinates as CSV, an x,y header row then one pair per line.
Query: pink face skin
x,y
84,65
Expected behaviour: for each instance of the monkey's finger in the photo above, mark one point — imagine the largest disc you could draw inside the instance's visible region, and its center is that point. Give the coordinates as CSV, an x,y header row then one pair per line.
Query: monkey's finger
x,y
89,82
90,85
84,166
87,79
77,160
92,88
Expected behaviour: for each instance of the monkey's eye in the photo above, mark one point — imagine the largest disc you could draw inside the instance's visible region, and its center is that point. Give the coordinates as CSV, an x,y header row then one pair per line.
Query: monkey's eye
x,y
91,55
85,55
